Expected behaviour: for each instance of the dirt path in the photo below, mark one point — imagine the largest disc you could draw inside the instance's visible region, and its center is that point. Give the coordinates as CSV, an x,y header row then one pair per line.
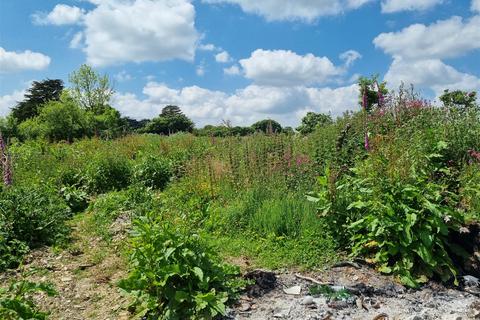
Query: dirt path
x,y
84,274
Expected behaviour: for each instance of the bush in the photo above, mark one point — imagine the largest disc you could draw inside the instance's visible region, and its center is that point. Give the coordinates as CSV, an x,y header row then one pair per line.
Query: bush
x,y
29,217
175,276
106,173
153,172
398,217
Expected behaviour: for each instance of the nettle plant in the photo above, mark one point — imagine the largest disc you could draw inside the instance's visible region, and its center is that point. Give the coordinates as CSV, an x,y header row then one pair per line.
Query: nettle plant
x,y
175,276
399,221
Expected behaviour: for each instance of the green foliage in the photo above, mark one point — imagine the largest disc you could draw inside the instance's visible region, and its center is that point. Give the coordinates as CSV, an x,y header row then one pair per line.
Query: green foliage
x,y
39,94
30,216
371,92
313,120
170,121
267,126
75,198
153,172
458,99
107,172
90,90
175,276
399,220
16,301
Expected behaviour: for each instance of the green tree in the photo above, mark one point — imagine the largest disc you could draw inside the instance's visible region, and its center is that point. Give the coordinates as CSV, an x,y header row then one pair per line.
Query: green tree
x,y
313,120
58,120
91,90
267,126
170,121
462,100
39,93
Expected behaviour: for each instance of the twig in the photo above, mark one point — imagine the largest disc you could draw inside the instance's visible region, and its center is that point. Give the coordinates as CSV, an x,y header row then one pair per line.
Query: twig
x,y
313,280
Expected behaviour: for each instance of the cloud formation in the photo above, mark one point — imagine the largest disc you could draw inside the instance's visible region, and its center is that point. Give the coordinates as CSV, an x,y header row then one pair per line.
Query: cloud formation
x,y
286,68
243,107
391,6
11,62
303,10
61,14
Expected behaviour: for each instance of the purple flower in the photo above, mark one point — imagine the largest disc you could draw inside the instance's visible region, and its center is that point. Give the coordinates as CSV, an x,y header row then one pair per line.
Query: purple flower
x,y
367,142
364,99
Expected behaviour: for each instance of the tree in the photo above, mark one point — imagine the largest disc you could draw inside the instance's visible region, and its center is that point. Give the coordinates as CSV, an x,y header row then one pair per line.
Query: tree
x,y
58,120
267,126
170,121
313,120
91,90
39,93
459,99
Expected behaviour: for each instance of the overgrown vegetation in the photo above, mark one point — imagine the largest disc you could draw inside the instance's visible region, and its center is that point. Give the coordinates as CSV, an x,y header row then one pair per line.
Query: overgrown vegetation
x,y
389,183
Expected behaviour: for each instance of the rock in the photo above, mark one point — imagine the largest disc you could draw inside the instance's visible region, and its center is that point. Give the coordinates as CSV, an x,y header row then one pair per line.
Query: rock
x,y
417,317
308,300
471,281
244,307
282,312
66,279
295,290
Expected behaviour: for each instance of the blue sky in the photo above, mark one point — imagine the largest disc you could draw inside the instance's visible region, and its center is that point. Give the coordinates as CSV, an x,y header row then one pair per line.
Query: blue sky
x,y
240,60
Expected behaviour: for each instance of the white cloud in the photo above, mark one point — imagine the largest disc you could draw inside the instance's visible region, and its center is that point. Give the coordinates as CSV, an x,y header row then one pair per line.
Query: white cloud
x,y
10,100
286,68
119,31
243,107
123,76
475,5
391,6
304,10
442,39
222,57
430,73
350,57
232,71
76,41
11,61
207,47
61,14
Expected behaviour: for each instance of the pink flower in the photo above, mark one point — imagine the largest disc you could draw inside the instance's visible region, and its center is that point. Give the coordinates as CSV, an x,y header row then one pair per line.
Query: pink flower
x,y
5,162
367,143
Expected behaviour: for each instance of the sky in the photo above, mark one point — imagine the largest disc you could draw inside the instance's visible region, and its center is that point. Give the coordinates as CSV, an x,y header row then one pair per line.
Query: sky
x,y
240,60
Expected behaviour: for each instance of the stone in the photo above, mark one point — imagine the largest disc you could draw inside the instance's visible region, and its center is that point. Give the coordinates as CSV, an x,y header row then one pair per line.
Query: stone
x,y
295,290
308,300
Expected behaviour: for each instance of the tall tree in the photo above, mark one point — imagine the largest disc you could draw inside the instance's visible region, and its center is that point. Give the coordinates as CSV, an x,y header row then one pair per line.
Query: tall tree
x,y
313,120
39,93
267,126
171,120
91,90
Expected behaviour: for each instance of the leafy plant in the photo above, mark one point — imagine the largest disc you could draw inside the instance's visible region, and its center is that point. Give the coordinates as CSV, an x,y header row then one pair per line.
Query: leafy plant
x,y
106,173
29,217
175,276
400,223
16,301
153,172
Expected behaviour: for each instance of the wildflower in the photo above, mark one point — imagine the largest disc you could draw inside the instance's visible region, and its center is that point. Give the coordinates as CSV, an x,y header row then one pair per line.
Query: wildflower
x,y
364,99
5,162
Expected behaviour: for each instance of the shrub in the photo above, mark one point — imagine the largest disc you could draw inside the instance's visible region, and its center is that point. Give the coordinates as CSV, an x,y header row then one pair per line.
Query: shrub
x,y
175,276
16,301
29,217
399,220
106,173
153,172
